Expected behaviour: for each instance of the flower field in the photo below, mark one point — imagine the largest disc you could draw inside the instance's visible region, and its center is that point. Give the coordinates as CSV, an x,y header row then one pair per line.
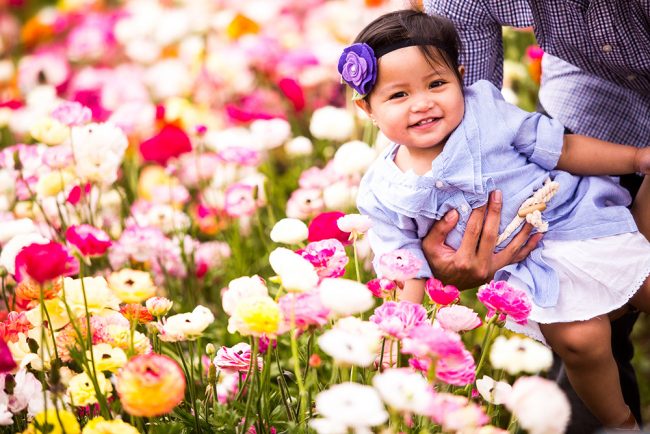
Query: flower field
x,y
180,248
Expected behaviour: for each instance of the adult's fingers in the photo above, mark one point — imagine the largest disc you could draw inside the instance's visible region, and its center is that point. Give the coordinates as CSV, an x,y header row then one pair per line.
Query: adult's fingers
x,y
439,231
525,250
472,233
490,226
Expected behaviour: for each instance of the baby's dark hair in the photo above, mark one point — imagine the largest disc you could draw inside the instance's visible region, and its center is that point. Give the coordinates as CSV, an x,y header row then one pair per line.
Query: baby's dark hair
x,y
396,27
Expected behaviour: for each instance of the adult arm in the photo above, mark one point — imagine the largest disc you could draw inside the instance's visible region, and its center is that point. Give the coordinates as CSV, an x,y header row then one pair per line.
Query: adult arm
x,y
475,262
582,155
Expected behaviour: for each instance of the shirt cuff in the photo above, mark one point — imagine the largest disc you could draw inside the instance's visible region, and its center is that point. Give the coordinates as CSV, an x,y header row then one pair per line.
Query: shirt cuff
x,y
550,140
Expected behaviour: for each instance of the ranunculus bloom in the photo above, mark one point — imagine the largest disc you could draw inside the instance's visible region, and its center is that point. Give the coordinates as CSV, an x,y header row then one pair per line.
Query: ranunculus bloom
x,y
90,241
539,405
439,293
344,296
292,90
236,358
296,273
256,316
306,309
458,372
327,256
7,362
494,392
400,265
72,113
150,385
44,262
404,390
170,142
428,341
324,226
398,319
516,355
159,306
381,288
355,224
289,231
457,318
358,67
504,300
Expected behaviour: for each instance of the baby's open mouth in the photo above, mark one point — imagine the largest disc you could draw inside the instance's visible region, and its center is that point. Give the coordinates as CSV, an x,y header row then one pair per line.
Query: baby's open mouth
x,y
425,122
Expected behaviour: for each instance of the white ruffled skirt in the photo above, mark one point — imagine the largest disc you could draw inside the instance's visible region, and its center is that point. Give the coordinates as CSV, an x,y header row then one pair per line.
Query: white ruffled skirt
x,y
596,276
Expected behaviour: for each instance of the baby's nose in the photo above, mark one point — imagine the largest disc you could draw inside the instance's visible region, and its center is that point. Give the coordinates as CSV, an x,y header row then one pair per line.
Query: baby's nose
x,y
421,104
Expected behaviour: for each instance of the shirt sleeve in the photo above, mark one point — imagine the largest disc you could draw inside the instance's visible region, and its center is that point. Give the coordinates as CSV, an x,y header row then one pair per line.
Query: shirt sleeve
x,y
479,26
390,232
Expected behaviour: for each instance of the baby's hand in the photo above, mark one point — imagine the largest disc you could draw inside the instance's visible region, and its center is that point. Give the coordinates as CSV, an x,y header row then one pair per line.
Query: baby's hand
x,y
642,160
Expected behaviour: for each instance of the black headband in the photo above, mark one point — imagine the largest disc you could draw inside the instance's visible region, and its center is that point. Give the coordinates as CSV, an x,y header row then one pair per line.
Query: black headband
x,y
410,42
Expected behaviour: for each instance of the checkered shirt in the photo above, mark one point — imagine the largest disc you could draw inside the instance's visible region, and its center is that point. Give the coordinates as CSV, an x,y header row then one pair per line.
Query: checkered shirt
x,y
596,70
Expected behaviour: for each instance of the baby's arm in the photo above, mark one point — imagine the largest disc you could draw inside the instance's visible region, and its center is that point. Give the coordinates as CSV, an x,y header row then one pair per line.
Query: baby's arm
x,y
582,155
413,291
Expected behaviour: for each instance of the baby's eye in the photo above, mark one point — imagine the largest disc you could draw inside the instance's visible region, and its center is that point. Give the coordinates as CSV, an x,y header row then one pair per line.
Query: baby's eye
x,y
397,95
436,83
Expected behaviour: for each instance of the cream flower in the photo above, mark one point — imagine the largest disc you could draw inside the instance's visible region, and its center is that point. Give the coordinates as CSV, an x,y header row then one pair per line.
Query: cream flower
x,y
98,295
353,158
256,316
132,286
186,326
296,273
352,342
49,131
240,288
270,133
352,405
494,392
404,390
289,231
82,392
332,123
107,358
98,150
15,245
517,355
345,297
539,405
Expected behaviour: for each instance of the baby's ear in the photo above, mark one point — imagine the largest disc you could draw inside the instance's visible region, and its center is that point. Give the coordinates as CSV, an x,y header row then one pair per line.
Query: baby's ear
x,y
461,71
363,105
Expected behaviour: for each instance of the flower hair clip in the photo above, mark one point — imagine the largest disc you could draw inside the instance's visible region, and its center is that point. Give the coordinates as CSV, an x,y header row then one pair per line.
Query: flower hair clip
x,y
358,69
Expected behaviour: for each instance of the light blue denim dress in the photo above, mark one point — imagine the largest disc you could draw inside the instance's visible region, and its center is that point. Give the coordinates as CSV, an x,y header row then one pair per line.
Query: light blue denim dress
x,y
496,146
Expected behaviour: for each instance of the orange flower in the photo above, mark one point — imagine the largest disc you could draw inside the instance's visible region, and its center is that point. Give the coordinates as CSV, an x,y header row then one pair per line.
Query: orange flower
x,y
150,385
29,289
241,25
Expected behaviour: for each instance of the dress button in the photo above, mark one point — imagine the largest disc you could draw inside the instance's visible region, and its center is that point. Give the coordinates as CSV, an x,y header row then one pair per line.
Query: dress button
x,y
606,48
439,184
464,208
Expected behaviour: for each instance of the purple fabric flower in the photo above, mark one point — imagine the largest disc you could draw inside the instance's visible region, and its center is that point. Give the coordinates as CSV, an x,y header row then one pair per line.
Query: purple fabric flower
x,y
358,67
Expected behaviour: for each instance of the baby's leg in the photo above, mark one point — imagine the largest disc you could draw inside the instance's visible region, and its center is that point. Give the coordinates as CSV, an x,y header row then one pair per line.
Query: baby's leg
x,y
641,300
585,349
641,207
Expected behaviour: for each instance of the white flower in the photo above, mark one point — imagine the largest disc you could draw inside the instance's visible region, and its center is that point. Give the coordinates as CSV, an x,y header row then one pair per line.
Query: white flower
x,y
238,137
353,158
404,390
494,392
186,326
98,151
12,228
297,273
352,342
517,355
289,231
168,78
15,245
299,146
340,195
6,70
270,133
332,123
320,425
28,393
98,295
354,223
241,288
457,318
353,405
345,297
539,405
7,418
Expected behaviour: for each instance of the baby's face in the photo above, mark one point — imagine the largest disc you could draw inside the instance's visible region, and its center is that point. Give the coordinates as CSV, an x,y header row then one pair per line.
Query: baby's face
x,y
414,104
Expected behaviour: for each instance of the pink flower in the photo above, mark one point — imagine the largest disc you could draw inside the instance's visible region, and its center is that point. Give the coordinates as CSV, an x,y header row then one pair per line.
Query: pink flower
x,y
324,226
428,341
44,262
327,256
398,319
240,200
381,288
534,52
457,372
307,309
292,90
90,240
7,362
72,113
456,413
240,155
356,224
457,318
305,203
504,300
400,265
236,358
439,293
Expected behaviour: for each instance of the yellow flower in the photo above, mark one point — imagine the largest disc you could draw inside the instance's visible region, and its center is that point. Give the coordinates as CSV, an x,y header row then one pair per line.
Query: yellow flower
x,y
51,423
256,316
107,358
99,425
152,177
98,295
52,183
150,385
121,338
132,286
81,389
49,131
241,25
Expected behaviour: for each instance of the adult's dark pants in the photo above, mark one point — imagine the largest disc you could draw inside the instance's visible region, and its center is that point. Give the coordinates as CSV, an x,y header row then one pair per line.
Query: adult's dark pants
x,y
582,421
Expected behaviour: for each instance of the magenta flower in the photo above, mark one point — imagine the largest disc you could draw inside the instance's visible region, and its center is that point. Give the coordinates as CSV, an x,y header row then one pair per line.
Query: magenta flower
x,y
381,288
7,362
236,358
439,293
44,262
457,372
458,318
90,240
399,265
398,319
307,309
504,300
324,226
327,256
436,343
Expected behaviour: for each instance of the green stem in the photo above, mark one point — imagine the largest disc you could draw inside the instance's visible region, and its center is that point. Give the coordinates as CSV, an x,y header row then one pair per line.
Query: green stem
x,y
251,383
296,363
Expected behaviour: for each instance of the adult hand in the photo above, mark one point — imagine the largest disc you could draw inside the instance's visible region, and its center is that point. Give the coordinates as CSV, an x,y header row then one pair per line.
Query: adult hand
x,y
475,262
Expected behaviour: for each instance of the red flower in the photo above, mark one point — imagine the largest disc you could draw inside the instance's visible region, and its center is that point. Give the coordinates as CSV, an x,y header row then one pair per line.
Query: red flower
x,y
7,362
170,142
324,227
90,240
43,262
136,312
